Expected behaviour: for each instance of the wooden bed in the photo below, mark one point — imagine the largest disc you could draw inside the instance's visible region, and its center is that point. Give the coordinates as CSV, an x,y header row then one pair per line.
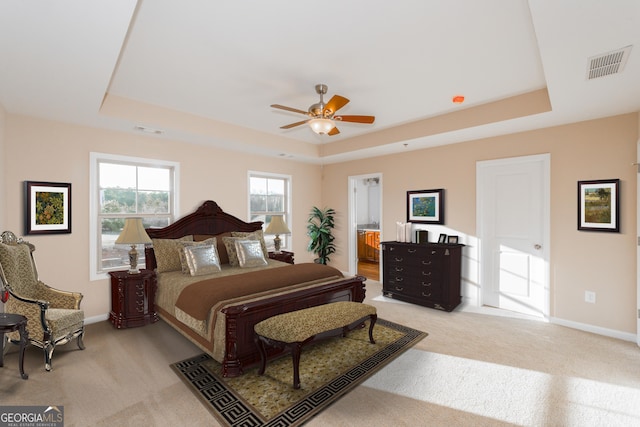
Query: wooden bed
x,y
239,348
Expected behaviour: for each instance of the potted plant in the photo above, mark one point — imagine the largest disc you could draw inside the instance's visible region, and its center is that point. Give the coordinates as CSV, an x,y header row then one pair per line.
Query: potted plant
x,y
319,229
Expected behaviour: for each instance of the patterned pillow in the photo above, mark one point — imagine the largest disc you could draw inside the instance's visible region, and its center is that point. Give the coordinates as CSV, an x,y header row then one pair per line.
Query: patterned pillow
x,y
230,245
167,253
250,253
222,250
254,235
202,259
183,259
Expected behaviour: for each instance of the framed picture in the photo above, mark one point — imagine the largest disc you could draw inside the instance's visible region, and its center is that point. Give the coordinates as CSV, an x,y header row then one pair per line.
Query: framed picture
x,y
442,238
47,207
452,239
425,206
599,205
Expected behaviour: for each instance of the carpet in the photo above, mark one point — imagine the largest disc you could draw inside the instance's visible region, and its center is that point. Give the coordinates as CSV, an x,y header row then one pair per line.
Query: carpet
x,y
328,370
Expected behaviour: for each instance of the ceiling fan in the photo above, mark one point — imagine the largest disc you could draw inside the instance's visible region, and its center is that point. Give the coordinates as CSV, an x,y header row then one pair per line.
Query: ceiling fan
x,y
323,116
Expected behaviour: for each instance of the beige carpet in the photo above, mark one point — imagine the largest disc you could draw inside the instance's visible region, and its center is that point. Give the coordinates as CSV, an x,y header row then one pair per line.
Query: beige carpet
x,y
474,369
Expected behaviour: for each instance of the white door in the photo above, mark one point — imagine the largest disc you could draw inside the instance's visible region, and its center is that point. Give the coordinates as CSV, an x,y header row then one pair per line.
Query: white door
x,y
513,226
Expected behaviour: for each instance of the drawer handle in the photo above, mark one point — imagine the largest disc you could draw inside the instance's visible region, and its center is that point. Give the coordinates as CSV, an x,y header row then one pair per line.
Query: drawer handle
x,y
139,286
399,268
426,295
411,251
426,284
399,279
140,294
433,252
426,262
426,273
399,259
398,288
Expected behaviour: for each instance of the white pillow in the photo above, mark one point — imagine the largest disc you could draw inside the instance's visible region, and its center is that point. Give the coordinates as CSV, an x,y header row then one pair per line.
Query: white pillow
x,y
183,257
202,259
250,253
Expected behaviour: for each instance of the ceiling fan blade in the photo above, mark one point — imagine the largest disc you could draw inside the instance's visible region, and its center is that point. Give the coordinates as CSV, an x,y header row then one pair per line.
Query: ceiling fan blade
x,y
293,110
292,125
355,119
333,131
335,103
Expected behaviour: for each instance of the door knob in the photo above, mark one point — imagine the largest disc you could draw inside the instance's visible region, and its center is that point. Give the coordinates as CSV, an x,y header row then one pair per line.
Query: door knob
x,y
537,246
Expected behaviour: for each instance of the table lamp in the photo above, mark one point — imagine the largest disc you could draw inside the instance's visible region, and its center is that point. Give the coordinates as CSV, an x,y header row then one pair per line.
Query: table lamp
x,y
133,234
277,226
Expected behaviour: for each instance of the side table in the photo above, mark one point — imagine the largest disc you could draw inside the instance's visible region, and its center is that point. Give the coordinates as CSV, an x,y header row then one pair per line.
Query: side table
x,y
133,298
283,256
11,323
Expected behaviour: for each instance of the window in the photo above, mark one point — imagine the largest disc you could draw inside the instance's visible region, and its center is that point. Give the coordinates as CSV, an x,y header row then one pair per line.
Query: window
x,y
124,187
269,195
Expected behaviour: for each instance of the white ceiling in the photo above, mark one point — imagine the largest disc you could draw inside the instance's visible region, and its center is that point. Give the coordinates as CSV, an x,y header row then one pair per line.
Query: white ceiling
x,y
207,71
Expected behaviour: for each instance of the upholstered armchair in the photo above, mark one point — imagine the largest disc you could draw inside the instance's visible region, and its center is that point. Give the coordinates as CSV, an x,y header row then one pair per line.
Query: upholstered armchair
x,y
53,316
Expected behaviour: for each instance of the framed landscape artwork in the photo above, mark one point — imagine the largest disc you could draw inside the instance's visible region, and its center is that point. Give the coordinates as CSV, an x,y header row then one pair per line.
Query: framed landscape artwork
x,y
599,205
47,207
425,206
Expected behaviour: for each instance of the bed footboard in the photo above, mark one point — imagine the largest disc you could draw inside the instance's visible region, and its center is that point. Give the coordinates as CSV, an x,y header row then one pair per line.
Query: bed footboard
x,y
241,351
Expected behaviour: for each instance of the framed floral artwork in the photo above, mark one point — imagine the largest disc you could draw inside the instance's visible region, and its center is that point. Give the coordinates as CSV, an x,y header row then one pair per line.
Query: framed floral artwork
x,y
425,206
47,207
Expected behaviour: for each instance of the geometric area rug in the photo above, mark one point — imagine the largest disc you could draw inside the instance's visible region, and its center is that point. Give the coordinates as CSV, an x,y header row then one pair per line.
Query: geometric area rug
x,y
328,370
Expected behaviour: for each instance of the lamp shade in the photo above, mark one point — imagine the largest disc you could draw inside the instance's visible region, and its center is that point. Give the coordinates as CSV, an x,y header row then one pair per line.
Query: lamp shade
x,y
321,126
277,226
133,233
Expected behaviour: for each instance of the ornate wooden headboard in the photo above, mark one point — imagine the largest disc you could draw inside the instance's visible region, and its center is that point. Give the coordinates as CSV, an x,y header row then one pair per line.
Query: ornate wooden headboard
x,y
208,219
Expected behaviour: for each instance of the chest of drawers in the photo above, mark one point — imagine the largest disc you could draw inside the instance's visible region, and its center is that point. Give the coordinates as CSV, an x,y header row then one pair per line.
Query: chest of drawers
x,y
425,274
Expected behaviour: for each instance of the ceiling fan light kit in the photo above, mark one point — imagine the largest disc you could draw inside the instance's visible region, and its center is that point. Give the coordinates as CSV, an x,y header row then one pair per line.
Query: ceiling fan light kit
x,y
321,126
322,115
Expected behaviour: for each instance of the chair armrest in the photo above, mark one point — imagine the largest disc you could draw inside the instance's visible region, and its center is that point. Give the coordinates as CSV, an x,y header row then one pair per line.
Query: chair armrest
x,y
58,298
33,310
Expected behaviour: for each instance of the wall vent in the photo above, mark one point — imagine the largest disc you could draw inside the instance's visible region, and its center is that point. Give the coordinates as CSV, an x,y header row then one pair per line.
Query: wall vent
x,y
608,63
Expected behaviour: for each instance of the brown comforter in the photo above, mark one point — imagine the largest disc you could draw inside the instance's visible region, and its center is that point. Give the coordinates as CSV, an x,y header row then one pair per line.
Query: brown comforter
x,y
198,298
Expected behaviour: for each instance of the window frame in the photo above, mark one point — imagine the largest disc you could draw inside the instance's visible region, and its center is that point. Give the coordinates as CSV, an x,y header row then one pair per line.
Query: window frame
x,y
287,241
95,228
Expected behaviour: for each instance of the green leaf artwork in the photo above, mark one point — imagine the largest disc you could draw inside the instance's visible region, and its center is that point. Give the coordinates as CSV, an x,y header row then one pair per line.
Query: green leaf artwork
x,y
49,208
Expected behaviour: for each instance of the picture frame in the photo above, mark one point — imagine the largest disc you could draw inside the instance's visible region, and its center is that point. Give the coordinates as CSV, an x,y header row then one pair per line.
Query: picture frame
x,y
452,239
442,238
599,205
425,206
47,207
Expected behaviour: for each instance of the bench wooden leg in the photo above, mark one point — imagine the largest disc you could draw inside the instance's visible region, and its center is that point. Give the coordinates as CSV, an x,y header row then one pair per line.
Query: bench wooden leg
x,y
263,355
372,322
295,355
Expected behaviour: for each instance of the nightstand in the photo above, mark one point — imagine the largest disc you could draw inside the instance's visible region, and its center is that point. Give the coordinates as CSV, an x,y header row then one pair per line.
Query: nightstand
x,y
133,298
283,256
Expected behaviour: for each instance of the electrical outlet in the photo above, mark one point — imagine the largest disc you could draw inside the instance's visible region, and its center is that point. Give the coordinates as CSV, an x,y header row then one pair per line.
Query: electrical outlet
x,y
590,297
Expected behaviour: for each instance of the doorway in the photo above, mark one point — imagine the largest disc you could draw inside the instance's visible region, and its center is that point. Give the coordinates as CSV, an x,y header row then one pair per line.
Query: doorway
x,y
513,229
365,212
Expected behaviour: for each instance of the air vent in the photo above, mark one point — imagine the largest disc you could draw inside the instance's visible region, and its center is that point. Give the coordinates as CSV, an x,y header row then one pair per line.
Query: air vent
x,y
608,63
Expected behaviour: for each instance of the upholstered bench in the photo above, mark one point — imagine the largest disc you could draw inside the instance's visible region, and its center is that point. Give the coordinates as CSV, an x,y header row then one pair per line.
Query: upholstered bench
x,y
291,331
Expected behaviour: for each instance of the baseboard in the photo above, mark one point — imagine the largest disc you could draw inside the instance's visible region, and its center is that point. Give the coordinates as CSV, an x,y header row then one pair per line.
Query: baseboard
x,y
96,319
625,336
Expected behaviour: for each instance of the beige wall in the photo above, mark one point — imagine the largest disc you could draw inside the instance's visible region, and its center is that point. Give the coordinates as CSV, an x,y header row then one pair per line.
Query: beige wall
x,y
596,261
603,262
39,150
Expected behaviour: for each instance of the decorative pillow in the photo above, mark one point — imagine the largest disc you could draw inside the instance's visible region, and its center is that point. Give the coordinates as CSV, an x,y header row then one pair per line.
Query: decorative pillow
x,y
222,250
183,259
254,235
202,259
250,253
167,253
230,245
